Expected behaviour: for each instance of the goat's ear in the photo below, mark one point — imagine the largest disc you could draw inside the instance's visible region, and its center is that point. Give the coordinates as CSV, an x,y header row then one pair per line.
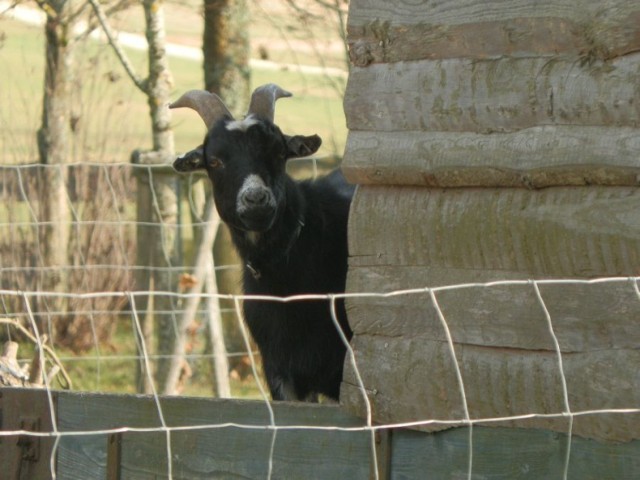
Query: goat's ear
x,y
301,146
190,161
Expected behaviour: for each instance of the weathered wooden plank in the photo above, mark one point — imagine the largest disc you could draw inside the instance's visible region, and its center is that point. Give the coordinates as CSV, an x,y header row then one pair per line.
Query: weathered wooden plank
x,y
412,12
532,122
534,158
497,452
586,317
498,95
216,452
402,238
568,232
382,31
26,456
509,454
413,379
85,457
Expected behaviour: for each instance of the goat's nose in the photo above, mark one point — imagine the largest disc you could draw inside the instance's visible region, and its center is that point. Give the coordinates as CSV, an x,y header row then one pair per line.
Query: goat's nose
x,y
256,197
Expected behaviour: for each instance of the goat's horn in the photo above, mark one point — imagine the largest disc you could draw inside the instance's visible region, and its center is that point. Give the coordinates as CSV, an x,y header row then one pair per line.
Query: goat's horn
x,y
263,100
208,105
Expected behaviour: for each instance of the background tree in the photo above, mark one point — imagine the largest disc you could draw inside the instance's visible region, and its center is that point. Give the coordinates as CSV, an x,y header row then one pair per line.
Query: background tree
x,y
157,198
164,194
226,50
226,72
67,25
54,143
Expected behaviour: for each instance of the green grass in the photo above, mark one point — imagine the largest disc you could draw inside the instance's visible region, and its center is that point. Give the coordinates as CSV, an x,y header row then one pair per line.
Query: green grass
x,y
114,117
111,368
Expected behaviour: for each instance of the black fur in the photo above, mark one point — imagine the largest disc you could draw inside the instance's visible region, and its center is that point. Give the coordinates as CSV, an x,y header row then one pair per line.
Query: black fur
x,y
292,240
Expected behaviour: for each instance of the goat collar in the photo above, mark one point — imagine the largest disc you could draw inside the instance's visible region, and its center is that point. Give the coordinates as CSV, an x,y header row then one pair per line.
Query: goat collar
x,y
255,272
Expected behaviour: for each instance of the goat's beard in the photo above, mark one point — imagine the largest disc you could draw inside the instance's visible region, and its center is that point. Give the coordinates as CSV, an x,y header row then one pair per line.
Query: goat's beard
x,y
257,221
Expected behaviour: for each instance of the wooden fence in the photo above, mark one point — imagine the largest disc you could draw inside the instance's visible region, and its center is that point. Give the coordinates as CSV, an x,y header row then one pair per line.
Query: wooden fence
x,y
495,141
98,436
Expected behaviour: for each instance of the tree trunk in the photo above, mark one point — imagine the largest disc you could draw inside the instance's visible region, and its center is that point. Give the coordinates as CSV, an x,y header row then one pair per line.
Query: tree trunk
x,y
163,194
54,144
226,72
55,131
226,51
160,81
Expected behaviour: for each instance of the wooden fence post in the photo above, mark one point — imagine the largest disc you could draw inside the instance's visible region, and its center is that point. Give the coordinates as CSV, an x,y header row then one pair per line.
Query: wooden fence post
x,y
26,456
159,250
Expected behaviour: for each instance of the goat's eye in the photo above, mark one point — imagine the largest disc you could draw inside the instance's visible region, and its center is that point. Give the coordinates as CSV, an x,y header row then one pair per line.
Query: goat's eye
x,y
215,162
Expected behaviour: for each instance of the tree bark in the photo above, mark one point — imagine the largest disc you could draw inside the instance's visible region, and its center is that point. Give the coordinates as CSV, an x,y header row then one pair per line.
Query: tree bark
x,y
226,51
54,143
163,190
160,81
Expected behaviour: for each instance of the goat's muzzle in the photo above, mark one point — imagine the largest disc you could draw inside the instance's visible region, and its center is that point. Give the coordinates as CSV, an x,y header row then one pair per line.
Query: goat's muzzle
x,y
256,208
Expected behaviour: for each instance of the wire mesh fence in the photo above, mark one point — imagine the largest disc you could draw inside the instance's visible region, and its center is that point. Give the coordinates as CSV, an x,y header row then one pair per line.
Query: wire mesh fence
x,y
111,243
83,323
566,415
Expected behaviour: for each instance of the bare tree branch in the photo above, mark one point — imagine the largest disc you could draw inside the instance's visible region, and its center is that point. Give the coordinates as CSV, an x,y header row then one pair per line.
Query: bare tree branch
x,y
303,12
46,8
93,22
139,82
67,384
342,30
327,7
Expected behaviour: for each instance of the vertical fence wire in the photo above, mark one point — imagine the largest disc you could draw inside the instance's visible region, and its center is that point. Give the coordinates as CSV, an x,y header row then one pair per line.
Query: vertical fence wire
x,y
263,392
365,398
154,391
460,380
563,378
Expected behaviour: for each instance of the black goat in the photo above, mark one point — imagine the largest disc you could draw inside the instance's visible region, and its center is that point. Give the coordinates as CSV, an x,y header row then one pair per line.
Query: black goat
x,y
291,236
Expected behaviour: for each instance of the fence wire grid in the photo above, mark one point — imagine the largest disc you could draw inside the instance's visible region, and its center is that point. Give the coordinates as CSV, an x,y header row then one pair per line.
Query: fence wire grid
x,y
25,275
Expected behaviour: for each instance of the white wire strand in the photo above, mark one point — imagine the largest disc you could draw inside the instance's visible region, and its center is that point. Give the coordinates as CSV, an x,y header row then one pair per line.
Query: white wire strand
x,y
296,298
563,378
326,428
154,392
45,377
363,390
263,392
456,363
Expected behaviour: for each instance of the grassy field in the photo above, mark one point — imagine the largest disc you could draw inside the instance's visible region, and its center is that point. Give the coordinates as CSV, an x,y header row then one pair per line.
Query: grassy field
x,y
113,115
112,368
